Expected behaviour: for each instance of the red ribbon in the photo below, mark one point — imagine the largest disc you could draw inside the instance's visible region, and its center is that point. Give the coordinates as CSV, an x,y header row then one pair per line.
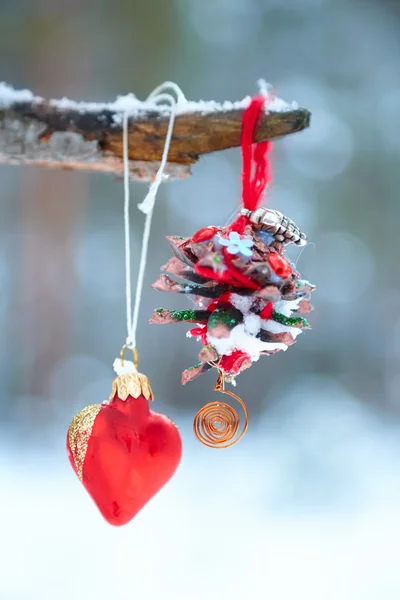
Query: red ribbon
x,y
255,158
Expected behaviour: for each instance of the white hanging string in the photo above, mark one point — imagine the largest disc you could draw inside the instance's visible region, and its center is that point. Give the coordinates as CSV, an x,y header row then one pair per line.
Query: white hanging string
x,y
128,289
158,96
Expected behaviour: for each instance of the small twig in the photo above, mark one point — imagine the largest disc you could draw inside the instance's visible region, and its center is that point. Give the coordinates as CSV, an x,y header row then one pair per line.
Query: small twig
x,y
88,135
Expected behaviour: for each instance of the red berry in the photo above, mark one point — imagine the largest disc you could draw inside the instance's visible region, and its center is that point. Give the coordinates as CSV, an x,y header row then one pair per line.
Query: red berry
x,y
279,265
205,234
218,302
234,363
266,311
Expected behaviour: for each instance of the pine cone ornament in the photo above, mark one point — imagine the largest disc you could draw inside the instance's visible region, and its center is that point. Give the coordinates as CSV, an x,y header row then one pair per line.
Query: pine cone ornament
x,y
248,297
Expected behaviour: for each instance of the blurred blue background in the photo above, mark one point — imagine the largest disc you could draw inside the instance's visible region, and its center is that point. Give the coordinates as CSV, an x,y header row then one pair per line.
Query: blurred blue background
x,y
307,506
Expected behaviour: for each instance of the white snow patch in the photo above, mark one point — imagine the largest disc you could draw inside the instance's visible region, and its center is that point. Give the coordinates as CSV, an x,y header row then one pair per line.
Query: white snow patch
x,y
133,106
242,303
123,104
128,367
286,307
274,327
8,96
209,106
239,339
305,282
252,324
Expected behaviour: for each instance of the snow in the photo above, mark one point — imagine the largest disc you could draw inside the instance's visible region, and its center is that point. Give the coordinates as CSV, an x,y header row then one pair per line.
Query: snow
x,y
127,367
133,106
242,303
307,507
252,324
240,339
123,104
274,327
9,96
286,307
276,105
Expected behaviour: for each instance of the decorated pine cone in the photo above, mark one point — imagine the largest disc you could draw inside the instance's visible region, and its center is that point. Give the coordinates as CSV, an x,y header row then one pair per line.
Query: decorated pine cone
x,y
248,297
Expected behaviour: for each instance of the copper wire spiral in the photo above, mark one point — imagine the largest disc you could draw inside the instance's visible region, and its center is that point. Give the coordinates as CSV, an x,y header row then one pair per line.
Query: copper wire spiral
x,y
216,425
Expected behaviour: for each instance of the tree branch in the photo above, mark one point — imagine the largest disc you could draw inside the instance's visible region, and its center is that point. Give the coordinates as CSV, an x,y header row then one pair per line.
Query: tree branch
x,y
79,135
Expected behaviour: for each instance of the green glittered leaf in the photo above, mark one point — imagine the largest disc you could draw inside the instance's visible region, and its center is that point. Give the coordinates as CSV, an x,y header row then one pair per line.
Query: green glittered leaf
x,y
196,366
183,315
289,321
229,317
162,316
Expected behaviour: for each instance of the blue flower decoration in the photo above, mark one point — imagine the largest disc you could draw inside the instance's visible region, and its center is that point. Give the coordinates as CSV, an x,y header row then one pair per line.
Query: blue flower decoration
x,y
236,244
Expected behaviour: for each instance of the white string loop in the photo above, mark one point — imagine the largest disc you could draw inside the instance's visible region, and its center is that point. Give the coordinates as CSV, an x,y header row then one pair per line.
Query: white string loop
x,y
158,96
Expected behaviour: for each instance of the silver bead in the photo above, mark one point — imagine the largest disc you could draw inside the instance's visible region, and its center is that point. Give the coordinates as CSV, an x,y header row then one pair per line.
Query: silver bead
x,y
278,225
245,212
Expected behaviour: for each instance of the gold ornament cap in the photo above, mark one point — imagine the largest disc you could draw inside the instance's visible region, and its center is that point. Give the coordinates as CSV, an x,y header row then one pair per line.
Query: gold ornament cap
x,y
131,384
129,381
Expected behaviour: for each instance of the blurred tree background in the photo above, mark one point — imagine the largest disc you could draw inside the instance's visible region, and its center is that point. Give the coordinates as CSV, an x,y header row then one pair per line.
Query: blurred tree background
x,y
309,500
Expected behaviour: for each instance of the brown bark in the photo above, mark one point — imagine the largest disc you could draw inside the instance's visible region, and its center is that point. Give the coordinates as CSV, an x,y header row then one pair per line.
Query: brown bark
x,y
48,134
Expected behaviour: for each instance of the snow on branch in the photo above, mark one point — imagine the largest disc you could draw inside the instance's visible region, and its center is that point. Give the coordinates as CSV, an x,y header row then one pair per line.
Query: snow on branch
x,y
88,135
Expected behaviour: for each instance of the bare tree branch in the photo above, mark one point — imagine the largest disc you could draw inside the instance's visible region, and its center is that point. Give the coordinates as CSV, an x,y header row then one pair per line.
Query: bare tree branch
x,y
88,136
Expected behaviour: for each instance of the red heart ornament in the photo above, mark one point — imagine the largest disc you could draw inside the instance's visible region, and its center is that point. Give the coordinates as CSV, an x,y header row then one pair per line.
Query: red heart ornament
x,y
122,451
